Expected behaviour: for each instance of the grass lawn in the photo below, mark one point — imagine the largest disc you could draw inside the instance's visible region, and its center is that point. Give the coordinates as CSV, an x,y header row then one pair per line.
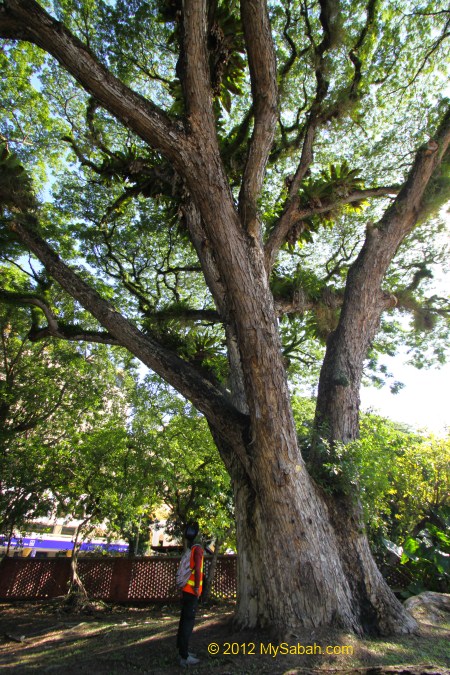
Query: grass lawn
x,y
43,637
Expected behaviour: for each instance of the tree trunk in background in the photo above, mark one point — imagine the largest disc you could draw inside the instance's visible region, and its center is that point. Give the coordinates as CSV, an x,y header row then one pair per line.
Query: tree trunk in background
x,y
211,571
76,586
10,536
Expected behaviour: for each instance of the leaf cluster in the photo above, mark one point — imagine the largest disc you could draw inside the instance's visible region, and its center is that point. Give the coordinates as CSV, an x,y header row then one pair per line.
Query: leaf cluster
x,y
426,558
330,188
16,191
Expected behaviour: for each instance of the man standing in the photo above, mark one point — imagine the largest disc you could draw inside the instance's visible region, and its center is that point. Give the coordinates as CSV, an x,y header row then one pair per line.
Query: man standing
x,y
190,595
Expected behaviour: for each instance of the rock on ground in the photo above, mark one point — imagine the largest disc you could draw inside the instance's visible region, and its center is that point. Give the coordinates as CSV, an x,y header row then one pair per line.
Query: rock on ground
x,y
429,606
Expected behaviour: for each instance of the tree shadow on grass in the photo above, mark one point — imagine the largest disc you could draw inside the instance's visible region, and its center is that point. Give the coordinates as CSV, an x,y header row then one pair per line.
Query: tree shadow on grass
x,y
143,641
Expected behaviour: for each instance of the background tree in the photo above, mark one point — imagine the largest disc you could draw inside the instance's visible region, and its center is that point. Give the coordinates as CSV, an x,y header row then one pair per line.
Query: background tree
x,y
207,141
103,480
405,478
188,475
49,391
404,486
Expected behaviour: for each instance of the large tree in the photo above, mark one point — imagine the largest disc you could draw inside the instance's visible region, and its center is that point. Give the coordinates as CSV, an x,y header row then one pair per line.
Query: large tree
x,y
211,139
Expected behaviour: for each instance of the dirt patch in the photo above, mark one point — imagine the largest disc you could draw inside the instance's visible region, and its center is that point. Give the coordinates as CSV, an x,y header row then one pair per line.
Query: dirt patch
x,y
42,637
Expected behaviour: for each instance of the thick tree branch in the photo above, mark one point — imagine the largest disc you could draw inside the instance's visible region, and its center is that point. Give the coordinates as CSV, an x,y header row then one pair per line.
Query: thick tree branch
x,y
329,12
401,217
263,74
383,240
27,20
73,333
55,328
184,377
364,299
295,214
311,126
194,71
318,116
353,54
206,256
294,53
15,298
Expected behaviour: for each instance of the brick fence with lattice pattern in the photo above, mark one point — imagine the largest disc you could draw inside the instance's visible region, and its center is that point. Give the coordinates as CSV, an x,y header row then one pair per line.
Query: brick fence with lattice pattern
x,y
109,579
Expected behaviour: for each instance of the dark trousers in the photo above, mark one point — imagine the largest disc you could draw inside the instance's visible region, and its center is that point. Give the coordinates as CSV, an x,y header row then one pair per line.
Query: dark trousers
x,y
189,604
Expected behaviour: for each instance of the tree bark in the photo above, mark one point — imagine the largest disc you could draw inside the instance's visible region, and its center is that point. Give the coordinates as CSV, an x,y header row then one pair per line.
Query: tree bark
x,y
299,563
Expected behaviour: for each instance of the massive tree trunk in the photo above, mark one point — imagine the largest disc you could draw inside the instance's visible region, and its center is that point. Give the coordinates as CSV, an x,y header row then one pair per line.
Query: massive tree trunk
x,y
300,563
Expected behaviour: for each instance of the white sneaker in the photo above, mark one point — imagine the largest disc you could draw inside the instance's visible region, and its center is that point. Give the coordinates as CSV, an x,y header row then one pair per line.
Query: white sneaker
x,y
190,661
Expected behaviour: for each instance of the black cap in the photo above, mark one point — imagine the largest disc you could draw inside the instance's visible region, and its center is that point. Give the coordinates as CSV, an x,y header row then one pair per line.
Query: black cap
x,y
191,531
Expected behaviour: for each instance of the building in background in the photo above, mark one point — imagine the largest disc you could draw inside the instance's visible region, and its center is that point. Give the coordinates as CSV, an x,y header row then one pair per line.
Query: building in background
x,y
54,538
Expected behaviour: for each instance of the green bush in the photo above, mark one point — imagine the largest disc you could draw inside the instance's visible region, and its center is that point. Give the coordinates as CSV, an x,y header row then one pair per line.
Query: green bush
x,y
427,558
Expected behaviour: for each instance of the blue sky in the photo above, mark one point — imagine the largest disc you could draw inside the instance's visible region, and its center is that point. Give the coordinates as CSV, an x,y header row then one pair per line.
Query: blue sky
x,y
423,403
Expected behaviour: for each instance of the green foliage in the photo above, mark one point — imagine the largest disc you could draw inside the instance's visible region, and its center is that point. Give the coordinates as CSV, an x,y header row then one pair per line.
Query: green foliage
x,y
61,415
188,475
15,184
327,194
427,558
404,486
404,476
227,64
334,182
103,477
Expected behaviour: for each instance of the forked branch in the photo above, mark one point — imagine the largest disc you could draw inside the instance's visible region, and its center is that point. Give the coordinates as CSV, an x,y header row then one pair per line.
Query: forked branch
x,y
263,74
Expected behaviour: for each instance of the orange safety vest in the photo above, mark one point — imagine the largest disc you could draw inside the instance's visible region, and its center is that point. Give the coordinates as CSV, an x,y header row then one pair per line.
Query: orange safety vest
x,y
189,588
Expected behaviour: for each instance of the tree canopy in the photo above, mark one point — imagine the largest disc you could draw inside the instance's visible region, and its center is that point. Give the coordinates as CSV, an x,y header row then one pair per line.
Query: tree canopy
x,y
358,86
83,438
187,473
